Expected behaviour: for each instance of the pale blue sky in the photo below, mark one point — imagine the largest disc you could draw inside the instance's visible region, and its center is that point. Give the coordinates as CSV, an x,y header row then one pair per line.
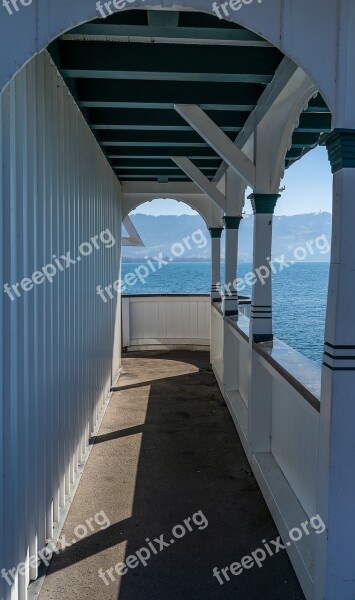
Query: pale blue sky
x,y
308,190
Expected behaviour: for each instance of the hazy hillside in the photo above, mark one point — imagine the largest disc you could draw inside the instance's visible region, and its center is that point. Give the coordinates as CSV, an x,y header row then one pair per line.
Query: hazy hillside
x,y
160,233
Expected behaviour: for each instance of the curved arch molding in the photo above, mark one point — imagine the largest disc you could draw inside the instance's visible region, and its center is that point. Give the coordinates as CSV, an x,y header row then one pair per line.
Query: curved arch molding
x,y
305,30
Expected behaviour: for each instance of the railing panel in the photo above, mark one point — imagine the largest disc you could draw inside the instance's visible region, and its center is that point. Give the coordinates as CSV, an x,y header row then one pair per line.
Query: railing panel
x,y
165,320
295,417
295,425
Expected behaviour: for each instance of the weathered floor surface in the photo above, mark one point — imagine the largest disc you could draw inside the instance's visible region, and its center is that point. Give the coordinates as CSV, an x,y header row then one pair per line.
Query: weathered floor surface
x,y
167,449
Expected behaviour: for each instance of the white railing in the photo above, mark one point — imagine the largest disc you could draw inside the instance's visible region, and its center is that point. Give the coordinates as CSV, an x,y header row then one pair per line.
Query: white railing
x,y
272,393
157,321
285,461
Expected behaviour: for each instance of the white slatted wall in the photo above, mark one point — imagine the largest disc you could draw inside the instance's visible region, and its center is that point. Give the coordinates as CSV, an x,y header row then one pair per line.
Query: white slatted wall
x,y
57,191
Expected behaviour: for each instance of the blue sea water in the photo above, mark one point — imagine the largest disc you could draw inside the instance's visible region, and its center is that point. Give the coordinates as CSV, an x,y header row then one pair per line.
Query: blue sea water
x,y
299,297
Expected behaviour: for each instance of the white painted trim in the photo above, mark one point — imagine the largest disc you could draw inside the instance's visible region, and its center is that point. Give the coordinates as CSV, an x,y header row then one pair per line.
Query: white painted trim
x,y
135,193
219,141
287,513
200,180
134,238
168,342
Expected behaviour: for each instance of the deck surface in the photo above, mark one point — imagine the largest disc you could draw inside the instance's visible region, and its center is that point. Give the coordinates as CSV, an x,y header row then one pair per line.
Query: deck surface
x,y
167,449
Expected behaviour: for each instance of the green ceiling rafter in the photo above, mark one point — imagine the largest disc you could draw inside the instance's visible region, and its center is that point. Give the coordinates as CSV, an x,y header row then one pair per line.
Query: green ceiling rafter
x,y
155,117
150,137
165,62
162,163
121,94
163,152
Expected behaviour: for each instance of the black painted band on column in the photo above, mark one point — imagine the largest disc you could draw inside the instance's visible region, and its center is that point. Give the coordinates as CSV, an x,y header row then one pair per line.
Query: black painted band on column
x,y
264,203
340,144
232,222
215,232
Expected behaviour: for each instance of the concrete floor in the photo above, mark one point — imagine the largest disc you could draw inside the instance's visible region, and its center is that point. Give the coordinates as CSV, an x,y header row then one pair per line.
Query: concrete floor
x,y
167,448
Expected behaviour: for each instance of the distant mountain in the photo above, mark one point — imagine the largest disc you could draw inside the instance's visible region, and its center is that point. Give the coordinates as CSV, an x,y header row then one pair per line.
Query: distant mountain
x,y
161,233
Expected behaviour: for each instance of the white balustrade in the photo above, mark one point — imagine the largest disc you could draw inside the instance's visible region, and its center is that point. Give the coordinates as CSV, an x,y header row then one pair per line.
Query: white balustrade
x,y
157,321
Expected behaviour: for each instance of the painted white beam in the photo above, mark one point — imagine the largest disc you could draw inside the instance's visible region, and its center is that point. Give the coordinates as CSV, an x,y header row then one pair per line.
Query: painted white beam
x,y
134,193
218,140
134,238
200,180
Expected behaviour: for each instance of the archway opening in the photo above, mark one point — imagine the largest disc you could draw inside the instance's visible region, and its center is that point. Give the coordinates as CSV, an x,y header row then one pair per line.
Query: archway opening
x,y
176,255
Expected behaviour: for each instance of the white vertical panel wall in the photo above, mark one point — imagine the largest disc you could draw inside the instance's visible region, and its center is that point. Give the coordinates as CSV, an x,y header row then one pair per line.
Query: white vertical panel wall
x,y
166,320
59,354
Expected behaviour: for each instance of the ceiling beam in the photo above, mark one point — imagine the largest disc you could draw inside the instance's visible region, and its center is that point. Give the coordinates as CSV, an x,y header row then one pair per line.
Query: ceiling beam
x,y
166,76
161,190
218,140
162,153
149,137
200,180
163,18
163,162
115,94
153,178
156,168
101,118
103,32
163,106
149,144
137,127
173,172
164,62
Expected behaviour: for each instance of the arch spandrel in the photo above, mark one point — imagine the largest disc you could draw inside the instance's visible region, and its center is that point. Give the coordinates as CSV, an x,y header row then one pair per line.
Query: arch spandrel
x,y
305,30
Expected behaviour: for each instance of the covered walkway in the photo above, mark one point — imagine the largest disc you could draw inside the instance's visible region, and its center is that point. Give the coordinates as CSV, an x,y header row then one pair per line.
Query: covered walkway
x,y
166,450
98,115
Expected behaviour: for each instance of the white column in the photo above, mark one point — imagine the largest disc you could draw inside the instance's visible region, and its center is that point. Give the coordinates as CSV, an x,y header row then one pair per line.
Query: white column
x,y
335,562
230,295
216,233
260,390
261,304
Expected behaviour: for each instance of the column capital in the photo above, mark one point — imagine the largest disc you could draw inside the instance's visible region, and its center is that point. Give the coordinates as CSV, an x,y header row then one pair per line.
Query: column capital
x,y
215,232
340,144
232,222
264,203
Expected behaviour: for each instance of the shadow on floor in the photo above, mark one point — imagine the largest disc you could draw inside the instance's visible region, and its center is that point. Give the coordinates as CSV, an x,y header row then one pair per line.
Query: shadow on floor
x,y
168,449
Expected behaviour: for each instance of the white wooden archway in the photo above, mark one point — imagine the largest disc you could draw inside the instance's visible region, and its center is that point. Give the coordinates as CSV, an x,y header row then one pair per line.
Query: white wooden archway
x,y
315,35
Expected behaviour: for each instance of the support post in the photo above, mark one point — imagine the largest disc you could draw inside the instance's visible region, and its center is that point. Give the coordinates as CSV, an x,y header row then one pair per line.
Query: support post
x,y
215,233
260,383
261,304
334,572
230,296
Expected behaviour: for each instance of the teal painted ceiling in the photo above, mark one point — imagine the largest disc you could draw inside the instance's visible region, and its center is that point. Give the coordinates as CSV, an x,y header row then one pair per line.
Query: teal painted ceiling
x,y
126,73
